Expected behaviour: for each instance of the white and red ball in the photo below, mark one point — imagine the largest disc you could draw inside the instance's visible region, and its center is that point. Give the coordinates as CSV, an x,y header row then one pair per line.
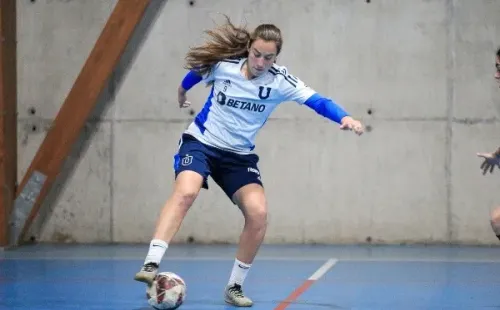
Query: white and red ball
x,y
168,291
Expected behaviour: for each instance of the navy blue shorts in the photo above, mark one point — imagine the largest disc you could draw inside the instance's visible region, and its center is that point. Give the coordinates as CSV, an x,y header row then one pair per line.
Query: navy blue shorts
x,y
229,170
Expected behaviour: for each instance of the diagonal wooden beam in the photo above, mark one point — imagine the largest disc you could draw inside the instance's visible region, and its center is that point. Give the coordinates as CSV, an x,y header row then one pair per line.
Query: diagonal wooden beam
x,y
8,115
73,114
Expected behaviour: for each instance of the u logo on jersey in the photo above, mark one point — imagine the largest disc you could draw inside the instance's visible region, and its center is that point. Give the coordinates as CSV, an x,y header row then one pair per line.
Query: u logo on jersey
x,y
261,91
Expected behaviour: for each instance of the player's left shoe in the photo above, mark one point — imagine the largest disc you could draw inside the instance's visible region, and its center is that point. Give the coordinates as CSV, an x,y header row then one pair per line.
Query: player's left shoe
x,y
147,273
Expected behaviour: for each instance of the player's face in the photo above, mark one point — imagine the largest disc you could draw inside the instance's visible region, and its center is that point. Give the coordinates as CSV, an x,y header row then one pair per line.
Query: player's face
x,y
497,72
261,56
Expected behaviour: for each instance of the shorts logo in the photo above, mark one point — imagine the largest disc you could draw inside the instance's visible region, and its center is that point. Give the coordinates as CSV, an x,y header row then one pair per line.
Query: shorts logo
x,y
254,171
187,160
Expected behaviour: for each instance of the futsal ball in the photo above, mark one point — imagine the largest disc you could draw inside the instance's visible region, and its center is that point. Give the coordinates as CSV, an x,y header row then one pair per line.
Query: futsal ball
x,y
167,291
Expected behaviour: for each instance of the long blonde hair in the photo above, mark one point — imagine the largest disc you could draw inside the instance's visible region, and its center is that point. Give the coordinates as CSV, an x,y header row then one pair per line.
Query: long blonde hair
x,y
229,42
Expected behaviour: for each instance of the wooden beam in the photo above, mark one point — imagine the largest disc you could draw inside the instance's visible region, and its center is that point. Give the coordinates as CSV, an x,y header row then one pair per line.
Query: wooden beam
x,y
8,115
74,113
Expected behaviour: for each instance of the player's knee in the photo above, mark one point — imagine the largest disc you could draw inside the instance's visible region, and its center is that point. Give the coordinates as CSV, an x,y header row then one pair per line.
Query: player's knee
x,y
252,201
257,216
260,214
495,220
185,198
187,187
495,215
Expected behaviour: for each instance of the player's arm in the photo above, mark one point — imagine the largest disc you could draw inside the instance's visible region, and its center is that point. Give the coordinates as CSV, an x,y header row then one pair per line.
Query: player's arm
x,y
490,161
189,81
326,108
295,90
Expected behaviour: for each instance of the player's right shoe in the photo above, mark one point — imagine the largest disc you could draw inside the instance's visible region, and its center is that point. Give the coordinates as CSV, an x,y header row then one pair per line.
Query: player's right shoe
x,y
234,295
147,273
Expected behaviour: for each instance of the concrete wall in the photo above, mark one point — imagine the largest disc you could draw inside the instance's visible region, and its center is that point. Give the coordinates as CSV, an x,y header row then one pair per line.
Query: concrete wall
x,y
423,68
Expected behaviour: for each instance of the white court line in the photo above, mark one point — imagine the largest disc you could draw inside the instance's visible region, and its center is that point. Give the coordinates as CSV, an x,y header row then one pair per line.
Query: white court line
x,y
25,256
307,284
323,269
422,260
167,258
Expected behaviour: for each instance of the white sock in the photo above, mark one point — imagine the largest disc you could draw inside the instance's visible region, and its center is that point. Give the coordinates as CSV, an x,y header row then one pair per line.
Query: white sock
x,y
157,249
239,272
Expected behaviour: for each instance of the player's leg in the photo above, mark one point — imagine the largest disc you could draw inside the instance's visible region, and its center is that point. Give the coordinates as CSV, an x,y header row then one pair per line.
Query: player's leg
x,y
241,181
191,169
495,221
252,202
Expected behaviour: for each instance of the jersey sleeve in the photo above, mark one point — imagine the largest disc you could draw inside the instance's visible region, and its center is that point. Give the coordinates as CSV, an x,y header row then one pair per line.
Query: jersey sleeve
x,y
193,77
292,88
210,76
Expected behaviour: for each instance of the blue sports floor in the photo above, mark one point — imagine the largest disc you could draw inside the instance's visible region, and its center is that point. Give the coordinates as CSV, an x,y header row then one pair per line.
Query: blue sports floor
x,y
340,277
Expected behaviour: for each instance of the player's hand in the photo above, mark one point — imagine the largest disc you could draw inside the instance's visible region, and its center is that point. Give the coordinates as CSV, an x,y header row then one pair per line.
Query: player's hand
x,y
348,123
490,161
182,99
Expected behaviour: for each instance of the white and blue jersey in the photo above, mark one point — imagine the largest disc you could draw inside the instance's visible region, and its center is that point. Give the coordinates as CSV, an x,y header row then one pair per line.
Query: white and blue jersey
x,y
237,108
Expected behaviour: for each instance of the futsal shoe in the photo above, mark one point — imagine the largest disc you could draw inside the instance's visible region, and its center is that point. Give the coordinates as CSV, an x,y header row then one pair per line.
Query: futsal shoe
x,y
234,296
147,273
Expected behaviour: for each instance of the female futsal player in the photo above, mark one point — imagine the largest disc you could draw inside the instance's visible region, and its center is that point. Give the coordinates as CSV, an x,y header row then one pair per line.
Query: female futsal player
x,y
493,159
246,86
